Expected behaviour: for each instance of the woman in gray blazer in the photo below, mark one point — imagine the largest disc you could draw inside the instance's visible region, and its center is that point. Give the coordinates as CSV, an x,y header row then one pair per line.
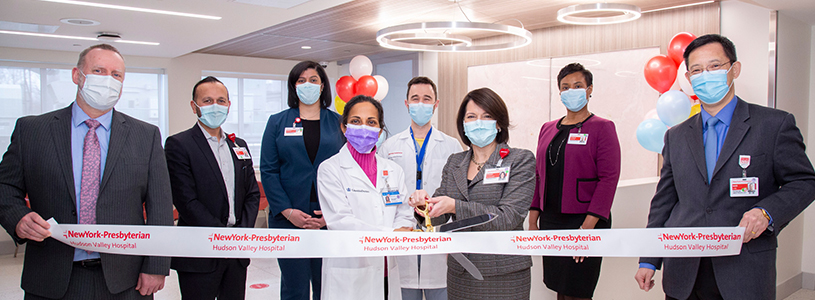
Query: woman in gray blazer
x,y
490,177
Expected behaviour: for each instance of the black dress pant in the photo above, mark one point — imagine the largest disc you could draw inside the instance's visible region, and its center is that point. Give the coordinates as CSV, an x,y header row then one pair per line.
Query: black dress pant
x,y
705,287
227,282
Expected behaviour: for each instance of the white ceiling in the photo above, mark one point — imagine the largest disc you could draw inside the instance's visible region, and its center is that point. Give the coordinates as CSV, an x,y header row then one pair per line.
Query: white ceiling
x,y
177,35
183,35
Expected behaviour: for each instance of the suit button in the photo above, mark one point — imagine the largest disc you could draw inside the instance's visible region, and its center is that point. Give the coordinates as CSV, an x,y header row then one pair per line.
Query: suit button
x,y
709,210
73,213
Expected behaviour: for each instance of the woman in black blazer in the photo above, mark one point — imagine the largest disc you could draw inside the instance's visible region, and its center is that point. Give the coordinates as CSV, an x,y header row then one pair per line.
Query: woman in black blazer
x,y
294,144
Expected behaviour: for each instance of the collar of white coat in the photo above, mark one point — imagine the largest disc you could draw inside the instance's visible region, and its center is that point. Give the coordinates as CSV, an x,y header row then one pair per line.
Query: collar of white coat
x,y
348,163
434,134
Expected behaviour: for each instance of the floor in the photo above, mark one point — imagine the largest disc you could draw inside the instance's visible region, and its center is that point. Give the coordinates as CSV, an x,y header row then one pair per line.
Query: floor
x,y
263,281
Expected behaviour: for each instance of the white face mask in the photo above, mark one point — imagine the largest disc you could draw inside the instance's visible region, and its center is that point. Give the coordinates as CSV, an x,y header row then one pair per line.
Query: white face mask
x,y
100,92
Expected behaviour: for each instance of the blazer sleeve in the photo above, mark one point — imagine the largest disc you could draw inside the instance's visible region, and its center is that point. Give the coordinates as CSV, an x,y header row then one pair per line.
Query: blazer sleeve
x,y
12,185
537,202
608,172
793,172
664,200
270,169
446,188
182,181
158,203
251,201
515,199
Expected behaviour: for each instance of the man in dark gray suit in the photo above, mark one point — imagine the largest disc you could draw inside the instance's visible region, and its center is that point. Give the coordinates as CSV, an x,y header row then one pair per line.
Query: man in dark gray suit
x,y
86,164
712,164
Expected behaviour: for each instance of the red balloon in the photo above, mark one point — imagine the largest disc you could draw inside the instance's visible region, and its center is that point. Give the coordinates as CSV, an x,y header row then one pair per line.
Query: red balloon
x,y
366,85
676,48
660,73
345,88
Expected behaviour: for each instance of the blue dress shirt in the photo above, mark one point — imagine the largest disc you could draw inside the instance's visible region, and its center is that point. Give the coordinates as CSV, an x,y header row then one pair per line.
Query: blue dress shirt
x,y
78,131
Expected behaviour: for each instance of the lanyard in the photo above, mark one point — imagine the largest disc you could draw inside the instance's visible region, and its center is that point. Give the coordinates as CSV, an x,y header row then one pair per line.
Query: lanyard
x,y
419,156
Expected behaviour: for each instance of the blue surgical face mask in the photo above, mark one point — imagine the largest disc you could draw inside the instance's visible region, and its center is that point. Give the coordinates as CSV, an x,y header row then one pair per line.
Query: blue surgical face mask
x,y
213,116
481,132
308,93
420,112
380,140
362,138
711,86
574,99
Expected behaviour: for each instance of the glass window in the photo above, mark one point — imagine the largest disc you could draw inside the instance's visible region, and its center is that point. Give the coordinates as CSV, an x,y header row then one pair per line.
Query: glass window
x,y
254,99
34,91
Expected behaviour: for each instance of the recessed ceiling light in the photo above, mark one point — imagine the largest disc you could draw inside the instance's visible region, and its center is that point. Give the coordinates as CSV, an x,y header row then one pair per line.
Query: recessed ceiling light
x,y
678,6
305,47
73,37
138,9
79,22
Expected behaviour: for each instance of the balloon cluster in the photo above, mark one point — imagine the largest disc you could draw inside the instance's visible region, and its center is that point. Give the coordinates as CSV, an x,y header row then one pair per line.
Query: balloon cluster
x,y
360,83
663,72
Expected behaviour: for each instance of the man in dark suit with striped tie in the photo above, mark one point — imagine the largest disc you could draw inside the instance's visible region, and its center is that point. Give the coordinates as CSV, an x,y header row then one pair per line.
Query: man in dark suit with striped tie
x,y
86,164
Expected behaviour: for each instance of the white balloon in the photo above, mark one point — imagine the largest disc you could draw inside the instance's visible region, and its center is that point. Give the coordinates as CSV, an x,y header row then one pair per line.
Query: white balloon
x,y
673,107
684,84
360,66
382,87
651,114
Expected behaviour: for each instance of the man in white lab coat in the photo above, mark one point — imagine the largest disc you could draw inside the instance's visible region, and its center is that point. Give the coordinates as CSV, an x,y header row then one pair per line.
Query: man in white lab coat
x,y
421,151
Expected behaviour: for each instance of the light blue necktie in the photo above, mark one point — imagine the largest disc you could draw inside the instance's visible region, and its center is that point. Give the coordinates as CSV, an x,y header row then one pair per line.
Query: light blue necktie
x,y
711,146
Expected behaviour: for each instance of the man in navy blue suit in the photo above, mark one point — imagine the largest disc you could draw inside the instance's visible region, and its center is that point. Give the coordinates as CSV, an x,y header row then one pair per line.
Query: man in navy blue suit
x,y
213,183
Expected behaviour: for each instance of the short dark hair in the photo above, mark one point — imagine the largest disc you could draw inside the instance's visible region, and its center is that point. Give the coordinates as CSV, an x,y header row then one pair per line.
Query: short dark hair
x,y
727,45
208,79
81,62
574,68
490,102
422,80
360,99
299,68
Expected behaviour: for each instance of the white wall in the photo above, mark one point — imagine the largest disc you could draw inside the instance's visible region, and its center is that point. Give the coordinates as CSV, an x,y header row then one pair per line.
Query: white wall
x,y
792,93
808,259
748,26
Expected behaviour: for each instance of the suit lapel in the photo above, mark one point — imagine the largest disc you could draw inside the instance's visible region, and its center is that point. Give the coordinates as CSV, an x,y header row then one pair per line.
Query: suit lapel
x,y
119,131
460,175
61,133
697,145
238,197
203,145
735,134
322,152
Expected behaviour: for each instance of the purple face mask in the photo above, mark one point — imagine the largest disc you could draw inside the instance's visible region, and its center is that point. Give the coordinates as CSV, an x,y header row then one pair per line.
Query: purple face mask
x,y
362,137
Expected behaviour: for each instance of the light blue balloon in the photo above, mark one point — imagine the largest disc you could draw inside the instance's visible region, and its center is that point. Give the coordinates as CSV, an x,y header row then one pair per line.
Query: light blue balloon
x,y
673,107
650,135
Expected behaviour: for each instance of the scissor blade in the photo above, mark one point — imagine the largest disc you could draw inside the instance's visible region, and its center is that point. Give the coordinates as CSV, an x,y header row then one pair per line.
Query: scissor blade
x,y
468,265
467,223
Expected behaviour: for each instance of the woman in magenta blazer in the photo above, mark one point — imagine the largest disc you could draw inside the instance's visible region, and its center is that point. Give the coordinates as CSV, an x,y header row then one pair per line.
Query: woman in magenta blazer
x,y
577,168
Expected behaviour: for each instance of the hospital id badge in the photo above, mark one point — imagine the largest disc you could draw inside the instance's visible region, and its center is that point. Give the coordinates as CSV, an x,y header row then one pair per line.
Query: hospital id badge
x,y
241,153
578,138
496,175
744,187
392,198
293,131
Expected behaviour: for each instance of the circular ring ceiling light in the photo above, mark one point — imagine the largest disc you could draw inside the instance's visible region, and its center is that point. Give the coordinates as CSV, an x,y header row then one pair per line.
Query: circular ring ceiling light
x,y
628,13
449,36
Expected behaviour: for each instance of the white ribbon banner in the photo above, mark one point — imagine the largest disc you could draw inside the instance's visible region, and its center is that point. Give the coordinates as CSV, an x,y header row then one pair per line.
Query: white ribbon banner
x,y
183,241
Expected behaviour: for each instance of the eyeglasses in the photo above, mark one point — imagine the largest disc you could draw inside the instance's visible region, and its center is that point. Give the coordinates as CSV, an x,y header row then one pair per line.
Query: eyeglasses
x,y
711,67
